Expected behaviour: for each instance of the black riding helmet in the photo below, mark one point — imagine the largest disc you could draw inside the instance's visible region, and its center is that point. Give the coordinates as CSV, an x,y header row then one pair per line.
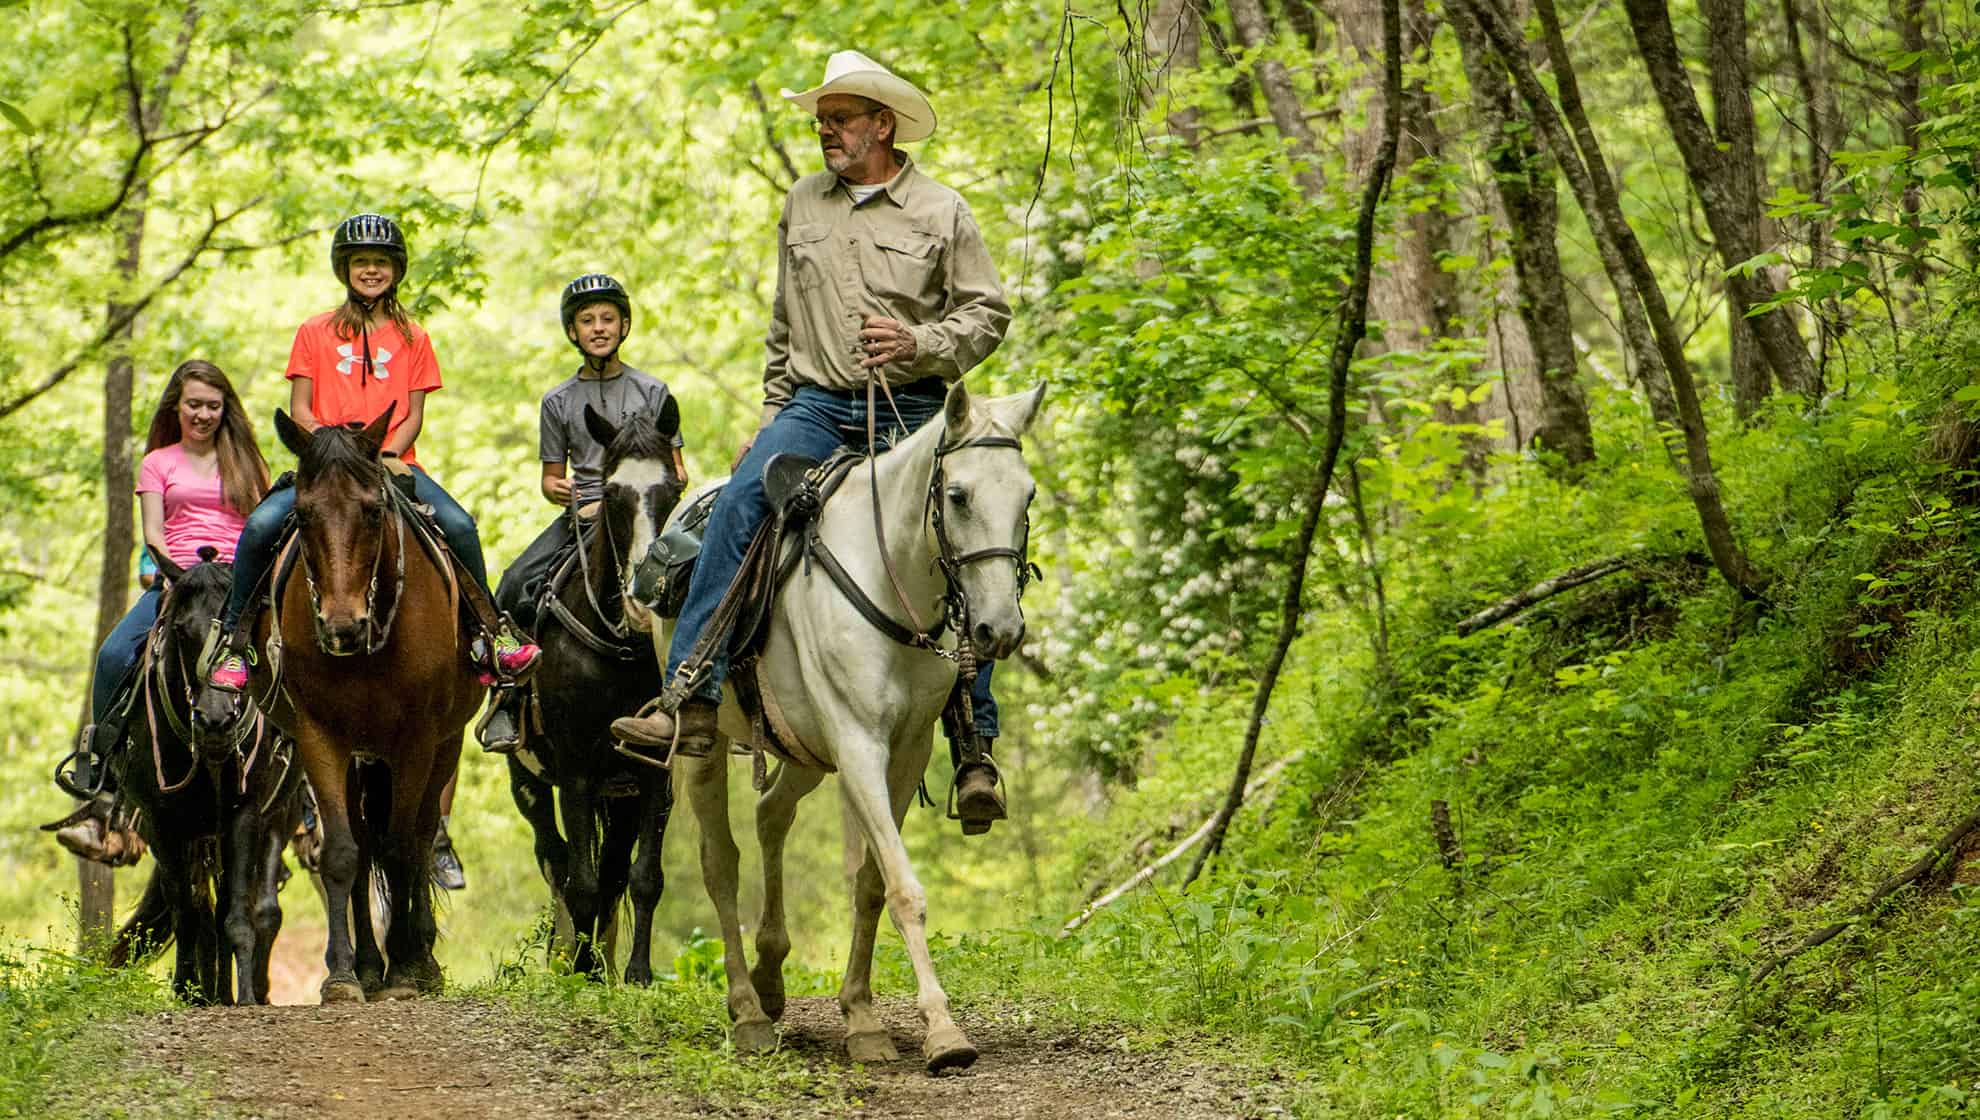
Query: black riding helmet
x,y
367,231
593,287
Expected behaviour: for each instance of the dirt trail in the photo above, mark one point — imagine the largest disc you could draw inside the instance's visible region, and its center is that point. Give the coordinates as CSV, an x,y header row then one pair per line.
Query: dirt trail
x,y
469,1058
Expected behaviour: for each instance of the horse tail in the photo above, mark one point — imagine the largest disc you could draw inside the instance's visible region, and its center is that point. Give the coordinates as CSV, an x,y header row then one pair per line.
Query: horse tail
x,y
148,930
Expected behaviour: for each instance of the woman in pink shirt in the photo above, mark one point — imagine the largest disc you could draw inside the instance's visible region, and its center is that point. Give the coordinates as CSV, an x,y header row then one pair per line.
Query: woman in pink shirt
x,y
202,472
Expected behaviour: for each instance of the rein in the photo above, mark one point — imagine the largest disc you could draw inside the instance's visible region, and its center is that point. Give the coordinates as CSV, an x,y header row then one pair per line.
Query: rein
x,y
621,629
956,605
155,679
376,633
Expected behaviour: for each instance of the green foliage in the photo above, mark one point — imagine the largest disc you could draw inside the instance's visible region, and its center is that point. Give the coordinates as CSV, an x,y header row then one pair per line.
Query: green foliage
x,y
57,1014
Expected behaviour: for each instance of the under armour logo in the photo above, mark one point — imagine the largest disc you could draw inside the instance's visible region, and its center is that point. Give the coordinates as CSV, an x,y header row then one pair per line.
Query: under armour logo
x,y
380,361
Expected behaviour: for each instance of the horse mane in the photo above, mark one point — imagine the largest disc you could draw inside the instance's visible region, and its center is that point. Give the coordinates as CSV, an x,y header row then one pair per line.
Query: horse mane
x,y
639,438
339,448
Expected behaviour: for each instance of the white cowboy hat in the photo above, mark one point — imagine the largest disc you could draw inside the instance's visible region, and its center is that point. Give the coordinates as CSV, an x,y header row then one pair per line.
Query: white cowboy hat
x,y
854,73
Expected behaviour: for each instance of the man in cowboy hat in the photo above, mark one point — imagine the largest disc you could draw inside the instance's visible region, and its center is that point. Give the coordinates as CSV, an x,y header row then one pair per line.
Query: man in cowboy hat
x,y
880,271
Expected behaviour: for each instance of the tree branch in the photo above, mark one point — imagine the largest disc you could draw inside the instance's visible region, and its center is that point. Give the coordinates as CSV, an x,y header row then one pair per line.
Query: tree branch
x,y
1546,589
115,323
1354,326
1945,846
1147,873
770,135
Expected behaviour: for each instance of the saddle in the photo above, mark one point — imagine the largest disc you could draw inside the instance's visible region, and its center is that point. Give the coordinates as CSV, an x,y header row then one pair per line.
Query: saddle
x,y
796,488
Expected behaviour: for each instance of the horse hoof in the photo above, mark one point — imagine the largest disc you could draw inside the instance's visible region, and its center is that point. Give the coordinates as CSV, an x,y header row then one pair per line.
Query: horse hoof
x,y
755,1038
769,985
948,1048
342,991
396,991
871,1048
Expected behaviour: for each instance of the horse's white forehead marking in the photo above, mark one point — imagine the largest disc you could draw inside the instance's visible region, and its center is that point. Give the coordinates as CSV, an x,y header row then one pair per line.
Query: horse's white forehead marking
x,y
640,474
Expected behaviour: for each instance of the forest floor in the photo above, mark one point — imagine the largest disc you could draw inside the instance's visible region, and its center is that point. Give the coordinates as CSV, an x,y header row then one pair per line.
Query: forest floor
x,y
470,1057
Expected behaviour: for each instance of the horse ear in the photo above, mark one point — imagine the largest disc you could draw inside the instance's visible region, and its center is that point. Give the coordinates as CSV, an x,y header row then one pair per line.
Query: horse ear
x,y
293,437
600,428
1020,411
669,424
208,553
374,432
955,410
171,571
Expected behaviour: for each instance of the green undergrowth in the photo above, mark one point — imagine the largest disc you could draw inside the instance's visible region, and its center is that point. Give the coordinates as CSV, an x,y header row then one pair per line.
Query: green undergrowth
x,y
70,1037
1653,790
671,1036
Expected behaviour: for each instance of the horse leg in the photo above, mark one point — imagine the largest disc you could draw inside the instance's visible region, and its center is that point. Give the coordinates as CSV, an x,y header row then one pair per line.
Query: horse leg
x,y
329,773
265,904
373,794
174,874
775,812
240,832
708,790
415,820
578,807
867,1039
622,831
536,800
873,799
649,878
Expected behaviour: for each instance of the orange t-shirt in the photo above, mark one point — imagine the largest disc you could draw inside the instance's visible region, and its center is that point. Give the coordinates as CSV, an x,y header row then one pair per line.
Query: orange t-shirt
x,y
342,390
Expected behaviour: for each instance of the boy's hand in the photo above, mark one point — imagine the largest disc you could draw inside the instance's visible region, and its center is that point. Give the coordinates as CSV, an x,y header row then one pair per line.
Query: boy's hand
x,y
558,490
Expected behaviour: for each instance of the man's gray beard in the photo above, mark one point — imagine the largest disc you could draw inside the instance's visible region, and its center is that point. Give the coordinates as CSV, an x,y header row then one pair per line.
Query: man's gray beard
x,y
849,154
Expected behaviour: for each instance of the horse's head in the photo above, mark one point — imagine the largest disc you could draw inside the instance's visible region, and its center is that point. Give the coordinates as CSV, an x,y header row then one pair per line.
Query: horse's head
x,y
641,488
194,598
979,498
340,515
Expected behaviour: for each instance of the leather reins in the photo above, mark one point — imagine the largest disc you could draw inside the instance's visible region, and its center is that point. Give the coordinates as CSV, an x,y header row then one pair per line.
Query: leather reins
x,y
376,634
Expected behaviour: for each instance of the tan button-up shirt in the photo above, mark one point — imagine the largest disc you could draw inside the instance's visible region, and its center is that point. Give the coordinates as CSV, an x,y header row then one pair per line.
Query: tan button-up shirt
x,y
911,252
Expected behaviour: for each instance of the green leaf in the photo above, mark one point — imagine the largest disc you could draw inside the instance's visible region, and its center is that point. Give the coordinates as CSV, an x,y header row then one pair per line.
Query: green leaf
x,y
7,110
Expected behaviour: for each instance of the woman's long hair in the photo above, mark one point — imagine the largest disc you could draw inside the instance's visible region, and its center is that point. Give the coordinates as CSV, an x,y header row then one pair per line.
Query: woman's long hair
x,y
243,472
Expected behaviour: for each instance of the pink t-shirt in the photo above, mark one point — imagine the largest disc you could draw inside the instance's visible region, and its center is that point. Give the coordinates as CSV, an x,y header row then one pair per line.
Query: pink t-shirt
x,y
196,509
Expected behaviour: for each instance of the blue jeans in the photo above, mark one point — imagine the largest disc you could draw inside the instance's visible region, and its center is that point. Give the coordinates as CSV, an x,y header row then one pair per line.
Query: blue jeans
x,y
120,651
815,423
255,551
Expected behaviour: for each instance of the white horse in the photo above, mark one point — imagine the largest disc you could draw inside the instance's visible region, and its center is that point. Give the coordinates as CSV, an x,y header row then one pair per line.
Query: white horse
x,y
865,705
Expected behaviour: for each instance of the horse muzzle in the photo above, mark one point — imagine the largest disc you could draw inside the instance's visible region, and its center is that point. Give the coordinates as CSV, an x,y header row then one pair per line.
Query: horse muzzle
x,y
994,642
343,637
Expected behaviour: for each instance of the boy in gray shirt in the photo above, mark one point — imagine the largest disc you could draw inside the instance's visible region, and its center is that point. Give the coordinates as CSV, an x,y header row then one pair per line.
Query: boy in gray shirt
x,y
597,315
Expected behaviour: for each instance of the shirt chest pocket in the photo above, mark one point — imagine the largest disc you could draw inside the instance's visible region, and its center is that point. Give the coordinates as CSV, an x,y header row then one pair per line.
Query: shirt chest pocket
x,y
810,248
905,265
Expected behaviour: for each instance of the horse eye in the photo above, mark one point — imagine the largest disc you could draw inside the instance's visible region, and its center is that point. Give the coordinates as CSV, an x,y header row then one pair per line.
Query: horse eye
x,y
958,496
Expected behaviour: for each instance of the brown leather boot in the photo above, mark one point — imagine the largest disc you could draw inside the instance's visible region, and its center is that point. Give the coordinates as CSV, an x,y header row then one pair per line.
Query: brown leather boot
x,y
979,796
654,736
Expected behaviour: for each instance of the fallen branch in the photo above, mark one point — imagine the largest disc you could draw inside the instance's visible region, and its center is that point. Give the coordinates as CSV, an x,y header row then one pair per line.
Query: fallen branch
x,y
1945,846
1177,852
1546,589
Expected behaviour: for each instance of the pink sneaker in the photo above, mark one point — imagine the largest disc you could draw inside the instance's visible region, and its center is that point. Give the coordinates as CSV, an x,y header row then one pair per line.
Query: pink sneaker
x,y
230,674
513,656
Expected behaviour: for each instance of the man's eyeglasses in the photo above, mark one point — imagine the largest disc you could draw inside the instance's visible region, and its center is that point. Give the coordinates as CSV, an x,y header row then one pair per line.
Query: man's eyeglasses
x,y
837,122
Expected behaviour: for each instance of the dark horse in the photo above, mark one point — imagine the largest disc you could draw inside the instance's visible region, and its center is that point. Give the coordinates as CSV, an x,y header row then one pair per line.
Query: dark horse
x,y
365,666
598,665
216,817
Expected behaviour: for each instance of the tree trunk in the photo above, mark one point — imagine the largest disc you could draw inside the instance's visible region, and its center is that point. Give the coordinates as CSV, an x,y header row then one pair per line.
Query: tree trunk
x,y
1629,270
1173,40
1523,184
1723,169
1822,126
1281,98
1910,16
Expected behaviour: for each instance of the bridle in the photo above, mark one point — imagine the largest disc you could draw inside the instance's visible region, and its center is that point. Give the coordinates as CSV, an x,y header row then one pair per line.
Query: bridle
x,y
376,633
956,612
155,679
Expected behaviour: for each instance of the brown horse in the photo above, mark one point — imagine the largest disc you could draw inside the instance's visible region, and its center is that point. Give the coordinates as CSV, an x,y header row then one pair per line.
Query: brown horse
x,y
365,667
